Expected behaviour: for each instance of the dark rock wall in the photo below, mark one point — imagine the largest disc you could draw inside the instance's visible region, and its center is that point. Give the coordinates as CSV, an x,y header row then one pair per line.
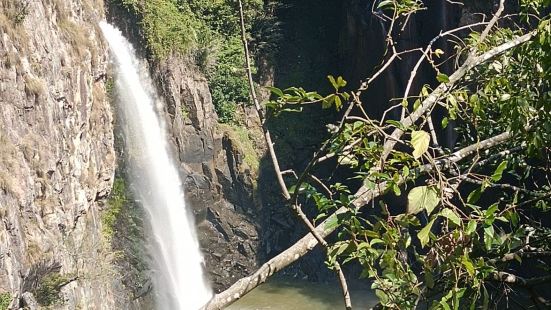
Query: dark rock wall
x,y
362,48
218,184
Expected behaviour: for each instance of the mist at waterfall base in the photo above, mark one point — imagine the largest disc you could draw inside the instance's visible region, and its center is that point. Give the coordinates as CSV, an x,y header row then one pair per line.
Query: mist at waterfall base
x,y
178,277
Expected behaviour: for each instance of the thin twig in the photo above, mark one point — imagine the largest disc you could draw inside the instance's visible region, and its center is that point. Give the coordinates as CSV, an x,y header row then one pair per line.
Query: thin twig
x,y
295,206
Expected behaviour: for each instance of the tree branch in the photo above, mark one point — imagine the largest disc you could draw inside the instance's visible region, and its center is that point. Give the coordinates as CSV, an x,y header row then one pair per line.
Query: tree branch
x,y
438,93
510,278
363,195
214,303
308,242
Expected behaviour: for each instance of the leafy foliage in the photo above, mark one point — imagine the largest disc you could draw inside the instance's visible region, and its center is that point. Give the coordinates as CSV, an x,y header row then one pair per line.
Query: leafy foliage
x,y
227,81
470,213
47,292
116,203
5,300
208,31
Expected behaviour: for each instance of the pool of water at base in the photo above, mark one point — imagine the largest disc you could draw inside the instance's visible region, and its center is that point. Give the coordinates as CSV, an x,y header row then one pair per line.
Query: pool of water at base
x,y
293,294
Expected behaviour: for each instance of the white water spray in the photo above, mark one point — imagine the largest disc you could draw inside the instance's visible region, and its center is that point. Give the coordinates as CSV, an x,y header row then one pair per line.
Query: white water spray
x,y
178,280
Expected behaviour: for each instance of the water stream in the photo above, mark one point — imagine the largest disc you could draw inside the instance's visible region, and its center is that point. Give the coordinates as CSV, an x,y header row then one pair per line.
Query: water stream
x,y
178,277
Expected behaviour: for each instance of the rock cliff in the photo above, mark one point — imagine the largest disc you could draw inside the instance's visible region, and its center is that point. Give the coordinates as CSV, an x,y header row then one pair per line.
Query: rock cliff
x,y
218,163
57,159
219,182
57,163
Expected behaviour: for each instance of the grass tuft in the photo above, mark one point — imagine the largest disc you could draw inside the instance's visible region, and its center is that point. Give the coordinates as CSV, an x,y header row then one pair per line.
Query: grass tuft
x,y
243,143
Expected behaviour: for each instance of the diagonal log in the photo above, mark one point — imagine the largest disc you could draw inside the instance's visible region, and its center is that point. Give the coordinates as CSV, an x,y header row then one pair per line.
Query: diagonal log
x,y
308,242
365,195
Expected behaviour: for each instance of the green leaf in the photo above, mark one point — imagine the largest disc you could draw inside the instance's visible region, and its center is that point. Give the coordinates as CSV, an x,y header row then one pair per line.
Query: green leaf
x,y
420,140
471,227
489,237
382,296
396,189
429,279
338,102
491,210
474,196
499,171
384,4
333,82
348,159
468,265
416,104
485,298
422,198
451,215
405,171
292,189
424,91
327,102
331,222
276,91
396,124
504,97
424,234
438,52
341,82
445,122
442,78
445,305
406,220
375,241
342,248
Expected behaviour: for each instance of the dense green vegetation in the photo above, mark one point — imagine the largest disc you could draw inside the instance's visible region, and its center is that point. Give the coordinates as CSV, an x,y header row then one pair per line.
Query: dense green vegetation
x,y
49,287
116,203
5,299
470,229
208,32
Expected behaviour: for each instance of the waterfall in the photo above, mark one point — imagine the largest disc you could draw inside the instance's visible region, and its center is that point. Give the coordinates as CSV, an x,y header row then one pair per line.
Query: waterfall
x,y
178,275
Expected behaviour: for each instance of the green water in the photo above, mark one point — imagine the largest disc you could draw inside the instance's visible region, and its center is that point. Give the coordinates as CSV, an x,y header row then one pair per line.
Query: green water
x,y
301,295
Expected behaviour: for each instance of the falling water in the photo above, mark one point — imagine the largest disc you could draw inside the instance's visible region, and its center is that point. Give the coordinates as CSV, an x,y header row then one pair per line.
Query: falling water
x,y
178,280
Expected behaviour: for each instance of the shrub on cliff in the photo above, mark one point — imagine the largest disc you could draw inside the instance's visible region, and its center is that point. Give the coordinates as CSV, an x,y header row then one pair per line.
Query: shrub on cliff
x,y
207,32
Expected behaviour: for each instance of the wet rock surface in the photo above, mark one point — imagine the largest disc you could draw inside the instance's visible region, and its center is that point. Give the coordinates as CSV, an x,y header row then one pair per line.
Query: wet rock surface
x,y
219,185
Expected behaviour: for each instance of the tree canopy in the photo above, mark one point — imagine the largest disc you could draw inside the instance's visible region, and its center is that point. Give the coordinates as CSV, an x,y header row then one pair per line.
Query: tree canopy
x,y
472,231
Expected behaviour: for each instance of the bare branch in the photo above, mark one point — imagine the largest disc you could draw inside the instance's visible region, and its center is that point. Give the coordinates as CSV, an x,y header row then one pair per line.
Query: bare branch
x,y
363,195
308,242
510,278
217,302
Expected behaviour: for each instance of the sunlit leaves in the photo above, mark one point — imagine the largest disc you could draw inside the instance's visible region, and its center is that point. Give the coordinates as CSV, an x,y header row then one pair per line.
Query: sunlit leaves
x,y
420,141
499,171
471,227
400,7
293,99
424,234
451,215
337,83
423,198
438,52
442,78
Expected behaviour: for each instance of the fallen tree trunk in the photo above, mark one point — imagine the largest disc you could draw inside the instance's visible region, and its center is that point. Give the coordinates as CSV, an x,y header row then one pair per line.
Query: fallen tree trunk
x,y
282,260
365,195
308,242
